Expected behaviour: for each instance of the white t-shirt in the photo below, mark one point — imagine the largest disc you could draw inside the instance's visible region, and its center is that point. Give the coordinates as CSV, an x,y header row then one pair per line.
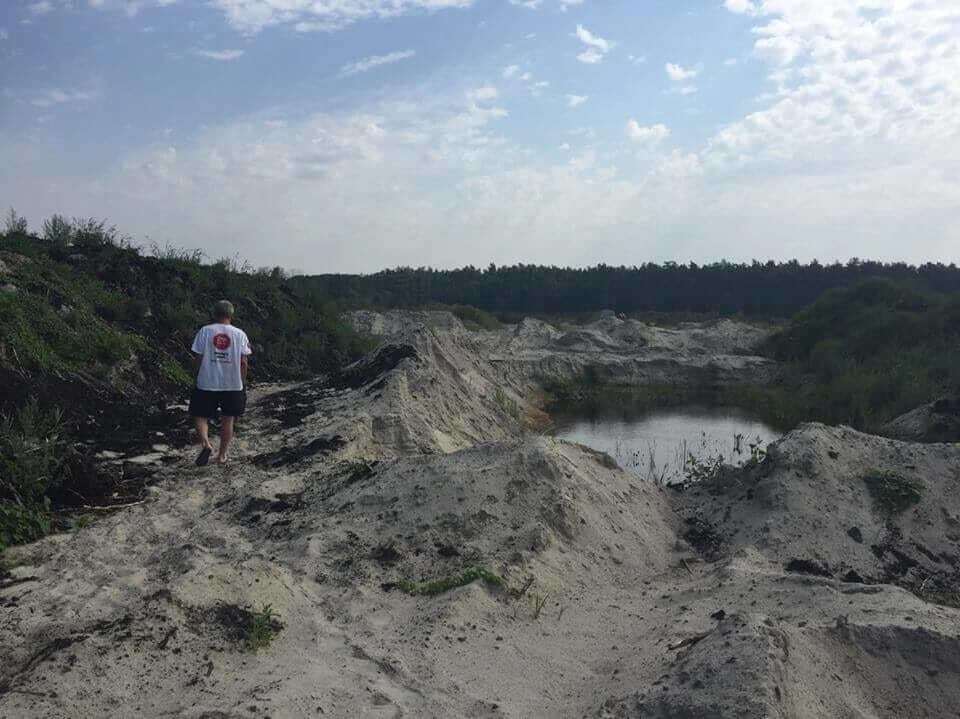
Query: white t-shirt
x,y
222,346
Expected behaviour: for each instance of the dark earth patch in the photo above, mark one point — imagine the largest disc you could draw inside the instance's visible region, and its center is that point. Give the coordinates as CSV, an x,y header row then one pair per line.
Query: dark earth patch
x,y
372,367
703,537
809,566
289,455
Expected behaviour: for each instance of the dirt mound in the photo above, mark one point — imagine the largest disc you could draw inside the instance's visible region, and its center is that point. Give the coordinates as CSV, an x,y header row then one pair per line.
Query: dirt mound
x,y
532,333
402,322
586,340
536,506
934,422
834,502
759,668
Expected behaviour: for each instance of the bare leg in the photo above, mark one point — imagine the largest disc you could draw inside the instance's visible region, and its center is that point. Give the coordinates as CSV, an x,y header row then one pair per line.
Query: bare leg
x,y
226,434
201,424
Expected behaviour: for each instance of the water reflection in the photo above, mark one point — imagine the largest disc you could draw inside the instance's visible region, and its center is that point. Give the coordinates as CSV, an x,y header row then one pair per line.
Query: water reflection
x,y
670,445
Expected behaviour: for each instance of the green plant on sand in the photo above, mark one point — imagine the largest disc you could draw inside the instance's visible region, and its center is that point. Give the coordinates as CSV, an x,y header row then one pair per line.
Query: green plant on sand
x,y
264,626
892,493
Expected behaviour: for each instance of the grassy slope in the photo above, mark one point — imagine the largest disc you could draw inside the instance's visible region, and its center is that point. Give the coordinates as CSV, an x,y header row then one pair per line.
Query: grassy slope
x,y
99,333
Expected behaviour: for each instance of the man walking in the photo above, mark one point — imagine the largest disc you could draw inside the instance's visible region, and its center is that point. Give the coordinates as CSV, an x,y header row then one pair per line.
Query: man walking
x,y
220,352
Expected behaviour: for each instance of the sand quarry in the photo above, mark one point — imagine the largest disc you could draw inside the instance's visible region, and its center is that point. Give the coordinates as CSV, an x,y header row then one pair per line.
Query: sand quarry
x,y
800,587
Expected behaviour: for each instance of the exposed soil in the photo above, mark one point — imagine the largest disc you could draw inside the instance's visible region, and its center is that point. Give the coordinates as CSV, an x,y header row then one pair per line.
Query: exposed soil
x,y
937,421
784,590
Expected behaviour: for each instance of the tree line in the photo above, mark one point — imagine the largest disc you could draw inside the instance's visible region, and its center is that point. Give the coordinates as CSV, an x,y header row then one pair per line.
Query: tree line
x,y
759,289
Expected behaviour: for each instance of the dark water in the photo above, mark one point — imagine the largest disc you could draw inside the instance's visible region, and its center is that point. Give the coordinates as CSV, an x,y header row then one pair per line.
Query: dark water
x,y
658,445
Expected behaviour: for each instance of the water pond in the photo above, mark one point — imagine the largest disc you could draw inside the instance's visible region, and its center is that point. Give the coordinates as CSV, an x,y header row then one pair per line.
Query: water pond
x,y
670,445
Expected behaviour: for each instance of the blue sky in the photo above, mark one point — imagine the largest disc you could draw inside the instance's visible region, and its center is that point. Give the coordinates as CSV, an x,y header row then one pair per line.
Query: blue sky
x,y
350,135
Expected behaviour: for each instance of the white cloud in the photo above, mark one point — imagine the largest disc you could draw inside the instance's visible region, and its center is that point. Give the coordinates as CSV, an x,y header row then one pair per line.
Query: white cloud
x,y
483,94
652,135
596,47
576,100
40,8
222,55
130,7
510,71
742,7
730,62
529,4
590,56
374,61
588,38
778,49
565,4
56,96
680,74
4,35
877,74
252,16
679,165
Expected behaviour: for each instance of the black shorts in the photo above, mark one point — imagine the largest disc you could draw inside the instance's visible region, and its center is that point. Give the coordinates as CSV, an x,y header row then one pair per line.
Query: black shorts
x,y
205,403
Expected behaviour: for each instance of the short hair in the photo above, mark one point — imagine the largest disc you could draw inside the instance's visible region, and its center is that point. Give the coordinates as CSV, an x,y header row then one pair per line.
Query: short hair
x,y
223,310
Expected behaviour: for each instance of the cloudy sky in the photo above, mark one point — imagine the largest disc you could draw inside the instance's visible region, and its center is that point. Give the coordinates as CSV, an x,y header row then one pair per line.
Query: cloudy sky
x,y
351,135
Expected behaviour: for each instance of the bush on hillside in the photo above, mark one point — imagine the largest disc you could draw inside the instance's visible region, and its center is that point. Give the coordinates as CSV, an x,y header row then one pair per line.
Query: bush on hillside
x,y
32,451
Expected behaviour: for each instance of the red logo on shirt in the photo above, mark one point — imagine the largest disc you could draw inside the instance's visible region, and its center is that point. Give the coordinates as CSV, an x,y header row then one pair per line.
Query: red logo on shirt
x,y
221,342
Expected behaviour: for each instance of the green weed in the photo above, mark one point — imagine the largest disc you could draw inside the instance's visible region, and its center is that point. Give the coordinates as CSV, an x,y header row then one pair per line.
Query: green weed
x,y
892,493
32,452
174,373
263,627
506,403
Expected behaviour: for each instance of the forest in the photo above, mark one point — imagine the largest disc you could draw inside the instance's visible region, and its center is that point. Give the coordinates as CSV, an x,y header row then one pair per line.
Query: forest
x,y
759,289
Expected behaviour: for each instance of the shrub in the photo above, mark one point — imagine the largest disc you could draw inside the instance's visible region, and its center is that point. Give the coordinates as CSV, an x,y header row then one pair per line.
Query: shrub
x,y
892,493
32,453
14,224
58,230
474,318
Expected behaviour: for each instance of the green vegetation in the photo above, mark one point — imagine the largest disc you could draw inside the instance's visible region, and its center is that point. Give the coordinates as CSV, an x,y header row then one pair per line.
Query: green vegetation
x,y
474,318
758,289
94,343
83,281
263,626
892,493
32,456
866,354
439,586
506,403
